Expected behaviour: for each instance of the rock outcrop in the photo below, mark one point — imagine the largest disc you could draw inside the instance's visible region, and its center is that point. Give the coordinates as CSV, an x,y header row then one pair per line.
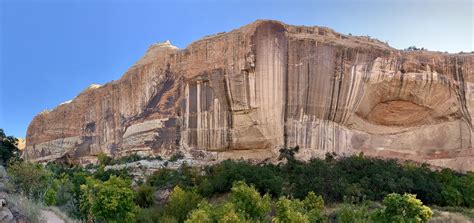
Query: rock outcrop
x,y
251,91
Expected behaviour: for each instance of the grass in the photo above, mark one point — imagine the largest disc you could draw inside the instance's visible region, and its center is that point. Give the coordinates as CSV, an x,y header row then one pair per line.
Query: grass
x,y
30,209
467,212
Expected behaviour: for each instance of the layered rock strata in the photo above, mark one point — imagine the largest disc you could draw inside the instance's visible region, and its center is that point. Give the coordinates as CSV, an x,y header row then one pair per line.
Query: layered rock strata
x,y
267,85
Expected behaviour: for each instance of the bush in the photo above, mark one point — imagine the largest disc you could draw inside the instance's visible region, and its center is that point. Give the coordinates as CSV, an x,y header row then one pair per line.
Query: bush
x,y
403,208
126,159
8,148
452,197
30,179
248,201
110,201
245,205
185,177
145,196
177,156
289,211
104,159
149,215
225,212
29,208
220,177
353,213
294,210
181,203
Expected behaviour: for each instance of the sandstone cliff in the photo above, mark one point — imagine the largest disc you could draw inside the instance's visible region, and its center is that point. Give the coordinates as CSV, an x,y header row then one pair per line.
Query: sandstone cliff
x,y
251,91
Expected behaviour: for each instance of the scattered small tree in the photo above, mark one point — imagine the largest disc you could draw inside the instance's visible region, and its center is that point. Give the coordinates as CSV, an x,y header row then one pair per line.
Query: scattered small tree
x,y
8,148
31,179
110,201
294,210
248,201
403,208
181,203
145,196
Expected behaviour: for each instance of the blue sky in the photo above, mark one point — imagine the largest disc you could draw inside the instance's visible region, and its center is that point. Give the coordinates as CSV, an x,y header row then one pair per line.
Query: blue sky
x,y
51,50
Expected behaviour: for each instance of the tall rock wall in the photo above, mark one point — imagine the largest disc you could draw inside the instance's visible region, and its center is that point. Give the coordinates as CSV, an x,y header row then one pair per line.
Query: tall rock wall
x,y
251,91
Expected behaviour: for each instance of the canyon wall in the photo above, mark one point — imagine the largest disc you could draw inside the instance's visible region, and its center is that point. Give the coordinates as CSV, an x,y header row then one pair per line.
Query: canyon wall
x,y
249,92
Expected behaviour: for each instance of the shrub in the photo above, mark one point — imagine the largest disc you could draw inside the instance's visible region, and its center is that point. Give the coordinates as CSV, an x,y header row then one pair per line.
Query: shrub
x,y
110,201
104,159
29,208
451,196
31,179
8,148
181,203
220,177
145,196
467,189
148,215
50,197
403,208
126,159
224,212
353,213
289,211
177,156
294,210
248,201
169,178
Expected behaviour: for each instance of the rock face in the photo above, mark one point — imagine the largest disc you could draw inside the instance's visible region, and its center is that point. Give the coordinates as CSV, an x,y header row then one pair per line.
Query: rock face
x,y
251,91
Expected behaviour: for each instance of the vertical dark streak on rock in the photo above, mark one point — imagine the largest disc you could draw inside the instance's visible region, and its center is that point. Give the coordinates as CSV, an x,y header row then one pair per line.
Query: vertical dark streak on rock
x,y
340,84
286,99
308,83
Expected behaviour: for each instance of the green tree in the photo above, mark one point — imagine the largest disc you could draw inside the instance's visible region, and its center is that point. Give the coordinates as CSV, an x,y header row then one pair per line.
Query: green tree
x,y
145,196
8,148
110,201
294,210
467,188
181,203
452,196
104,159
219,213
248,201
350,213
31,179
403,208
289,211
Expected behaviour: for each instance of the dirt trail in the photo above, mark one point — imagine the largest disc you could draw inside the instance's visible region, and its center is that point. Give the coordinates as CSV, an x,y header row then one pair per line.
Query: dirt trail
x,y
51,217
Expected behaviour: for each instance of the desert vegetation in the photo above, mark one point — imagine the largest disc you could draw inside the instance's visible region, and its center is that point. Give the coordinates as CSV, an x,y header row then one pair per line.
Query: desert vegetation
x,y
334,189
362,189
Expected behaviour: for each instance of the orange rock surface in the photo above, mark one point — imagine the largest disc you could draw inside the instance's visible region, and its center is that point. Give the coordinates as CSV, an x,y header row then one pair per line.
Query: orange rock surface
x,y
251,91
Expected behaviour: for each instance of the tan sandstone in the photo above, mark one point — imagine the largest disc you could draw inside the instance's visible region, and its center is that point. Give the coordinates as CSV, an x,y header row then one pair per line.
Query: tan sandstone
x,y
251,91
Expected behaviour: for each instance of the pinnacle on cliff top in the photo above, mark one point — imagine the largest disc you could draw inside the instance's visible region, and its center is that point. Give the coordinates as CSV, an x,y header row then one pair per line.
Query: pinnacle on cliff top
x,y
166,43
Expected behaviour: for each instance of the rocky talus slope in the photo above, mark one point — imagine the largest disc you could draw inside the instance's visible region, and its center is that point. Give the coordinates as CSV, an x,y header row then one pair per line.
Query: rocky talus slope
x,y
251,91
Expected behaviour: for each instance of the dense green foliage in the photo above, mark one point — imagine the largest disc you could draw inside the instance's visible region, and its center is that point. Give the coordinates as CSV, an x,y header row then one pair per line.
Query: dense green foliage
x,y
356,177
109,201
294,210
145,196
237,191
181,203
8,148
350,213
245,204
32,180
248,201
403,208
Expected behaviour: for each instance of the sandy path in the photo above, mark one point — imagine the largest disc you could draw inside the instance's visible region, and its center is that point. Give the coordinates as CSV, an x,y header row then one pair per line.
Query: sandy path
x,y
51,217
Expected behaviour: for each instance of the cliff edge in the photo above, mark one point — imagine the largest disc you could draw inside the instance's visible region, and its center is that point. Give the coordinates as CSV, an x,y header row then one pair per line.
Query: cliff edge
x,y
248,92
